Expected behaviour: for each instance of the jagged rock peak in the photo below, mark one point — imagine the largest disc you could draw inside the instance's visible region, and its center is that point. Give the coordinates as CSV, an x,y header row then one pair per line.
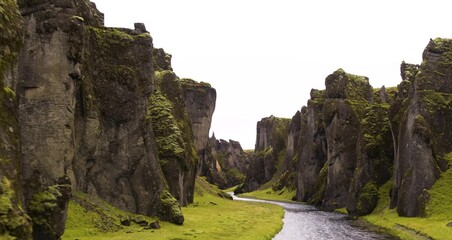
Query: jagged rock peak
x,y
347,86
161,59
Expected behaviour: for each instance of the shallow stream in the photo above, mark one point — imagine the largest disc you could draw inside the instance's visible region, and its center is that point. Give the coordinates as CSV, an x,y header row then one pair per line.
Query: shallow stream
x,y
306,222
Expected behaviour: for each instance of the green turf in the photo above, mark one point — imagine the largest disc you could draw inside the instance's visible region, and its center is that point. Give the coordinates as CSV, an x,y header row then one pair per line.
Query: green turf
x,y
439,212
209,217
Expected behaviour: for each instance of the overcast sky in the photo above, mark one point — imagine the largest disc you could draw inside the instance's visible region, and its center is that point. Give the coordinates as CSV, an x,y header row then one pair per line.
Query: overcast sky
x,y
263,57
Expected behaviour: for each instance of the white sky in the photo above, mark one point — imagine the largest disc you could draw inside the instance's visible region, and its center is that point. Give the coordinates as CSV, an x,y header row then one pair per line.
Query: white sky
x,y
264,56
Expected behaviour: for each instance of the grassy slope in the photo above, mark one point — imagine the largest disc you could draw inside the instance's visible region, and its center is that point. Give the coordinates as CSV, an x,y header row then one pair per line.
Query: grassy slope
x,y
269,194
439,211
203,220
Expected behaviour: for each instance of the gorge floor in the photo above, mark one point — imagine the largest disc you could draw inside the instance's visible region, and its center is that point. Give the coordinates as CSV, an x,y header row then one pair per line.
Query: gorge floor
x,y
306,222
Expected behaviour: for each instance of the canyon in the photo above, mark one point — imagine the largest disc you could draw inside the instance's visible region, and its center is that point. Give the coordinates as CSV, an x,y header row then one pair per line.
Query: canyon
x,y
95,110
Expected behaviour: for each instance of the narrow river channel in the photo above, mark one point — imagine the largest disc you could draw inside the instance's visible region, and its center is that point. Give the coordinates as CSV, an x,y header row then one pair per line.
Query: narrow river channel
x,y
306,222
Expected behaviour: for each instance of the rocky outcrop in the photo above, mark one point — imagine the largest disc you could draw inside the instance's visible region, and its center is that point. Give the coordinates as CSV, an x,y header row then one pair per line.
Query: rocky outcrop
x,y
174,135
287,170
269,152
344,151
312,151
84,94
182,112
421,123
224,163
14,222
199,104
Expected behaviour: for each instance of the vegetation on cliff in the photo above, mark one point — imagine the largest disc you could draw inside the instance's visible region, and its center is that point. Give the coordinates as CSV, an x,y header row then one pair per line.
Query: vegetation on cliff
x,y
436,223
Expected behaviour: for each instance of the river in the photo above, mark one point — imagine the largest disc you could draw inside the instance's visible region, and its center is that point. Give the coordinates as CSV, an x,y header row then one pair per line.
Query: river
x,y
306,222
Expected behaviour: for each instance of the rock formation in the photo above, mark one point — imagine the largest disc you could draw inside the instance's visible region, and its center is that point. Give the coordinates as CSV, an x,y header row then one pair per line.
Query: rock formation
x,y
345,137
181,111
421,123
312,151
269,152
14,222
85,98
224,163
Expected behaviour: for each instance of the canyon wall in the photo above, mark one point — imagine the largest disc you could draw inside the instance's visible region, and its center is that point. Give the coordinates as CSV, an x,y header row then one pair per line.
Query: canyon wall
x,y
80,112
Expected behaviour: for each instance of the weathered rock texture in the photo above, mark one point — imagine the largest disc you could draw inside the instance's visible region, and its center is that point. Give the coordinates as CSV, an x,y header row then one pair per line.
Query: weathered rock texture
x,y
87,100
224,163
421,123
175,135
312,150
344,144
269,152
181,110
14,222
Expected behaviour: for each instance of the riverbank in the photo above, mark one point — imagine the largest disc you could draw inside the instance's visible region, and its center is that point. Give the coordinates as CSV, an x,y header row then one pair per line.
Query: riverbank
x,y
437,224
209,217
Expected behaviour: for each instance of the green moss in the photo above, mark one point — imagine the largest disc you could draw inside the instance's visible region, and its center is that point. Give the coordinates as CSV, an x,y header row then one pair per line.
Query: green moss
x,y
171,124
11,34
234,173
376,132
171,208
13,221
170,142
357,87
265,153
320,187
439,211
436,101
47,203
368,195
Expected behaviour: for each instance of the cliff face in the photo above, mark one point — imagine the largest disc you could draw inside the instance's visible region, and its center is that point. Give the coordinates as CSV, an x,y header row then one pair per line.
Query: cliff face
x,y
86,105
14,221
181,111
422,130
344,150
224,163
312,150
269,152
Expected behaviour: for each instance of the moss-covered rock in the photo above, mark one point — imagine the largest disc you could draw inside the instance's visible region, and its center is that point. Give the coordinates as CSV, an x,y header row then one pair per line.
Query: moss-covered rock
x,y
367,199
174,136
14,222
170,208
47,209
11,35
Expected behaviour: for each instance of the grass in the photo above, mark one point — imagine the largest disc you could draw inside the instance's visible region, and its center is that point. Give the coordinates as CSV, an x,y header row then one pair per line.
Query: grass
x,y
284,195
439,212
231,189
209,217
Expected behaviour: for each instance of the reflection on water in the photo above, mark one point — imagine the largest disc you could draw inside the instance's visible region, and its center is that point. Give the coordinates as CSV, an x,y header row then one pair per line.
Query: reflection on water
x,y
306,222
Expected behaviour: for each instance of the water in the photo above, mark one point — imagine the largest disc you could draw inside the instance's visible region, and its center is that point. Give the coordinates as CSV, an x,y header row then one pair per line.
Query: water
x,y
306,222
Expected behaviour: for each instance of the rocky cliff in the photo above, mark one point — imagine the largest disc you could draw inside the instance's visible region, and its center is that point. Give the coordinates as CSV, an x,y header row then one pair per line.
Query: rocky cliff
x,y
82,112
181,112
269,152
93,118
345,151
14,222
224,163
354,138
422,131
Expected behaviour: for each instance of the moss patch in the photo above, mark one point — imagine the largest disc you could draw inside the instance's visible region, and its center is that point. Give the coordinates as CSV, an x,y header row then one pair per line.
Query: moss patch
x,y
14,223
171,208
439,211
168,134
11,34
